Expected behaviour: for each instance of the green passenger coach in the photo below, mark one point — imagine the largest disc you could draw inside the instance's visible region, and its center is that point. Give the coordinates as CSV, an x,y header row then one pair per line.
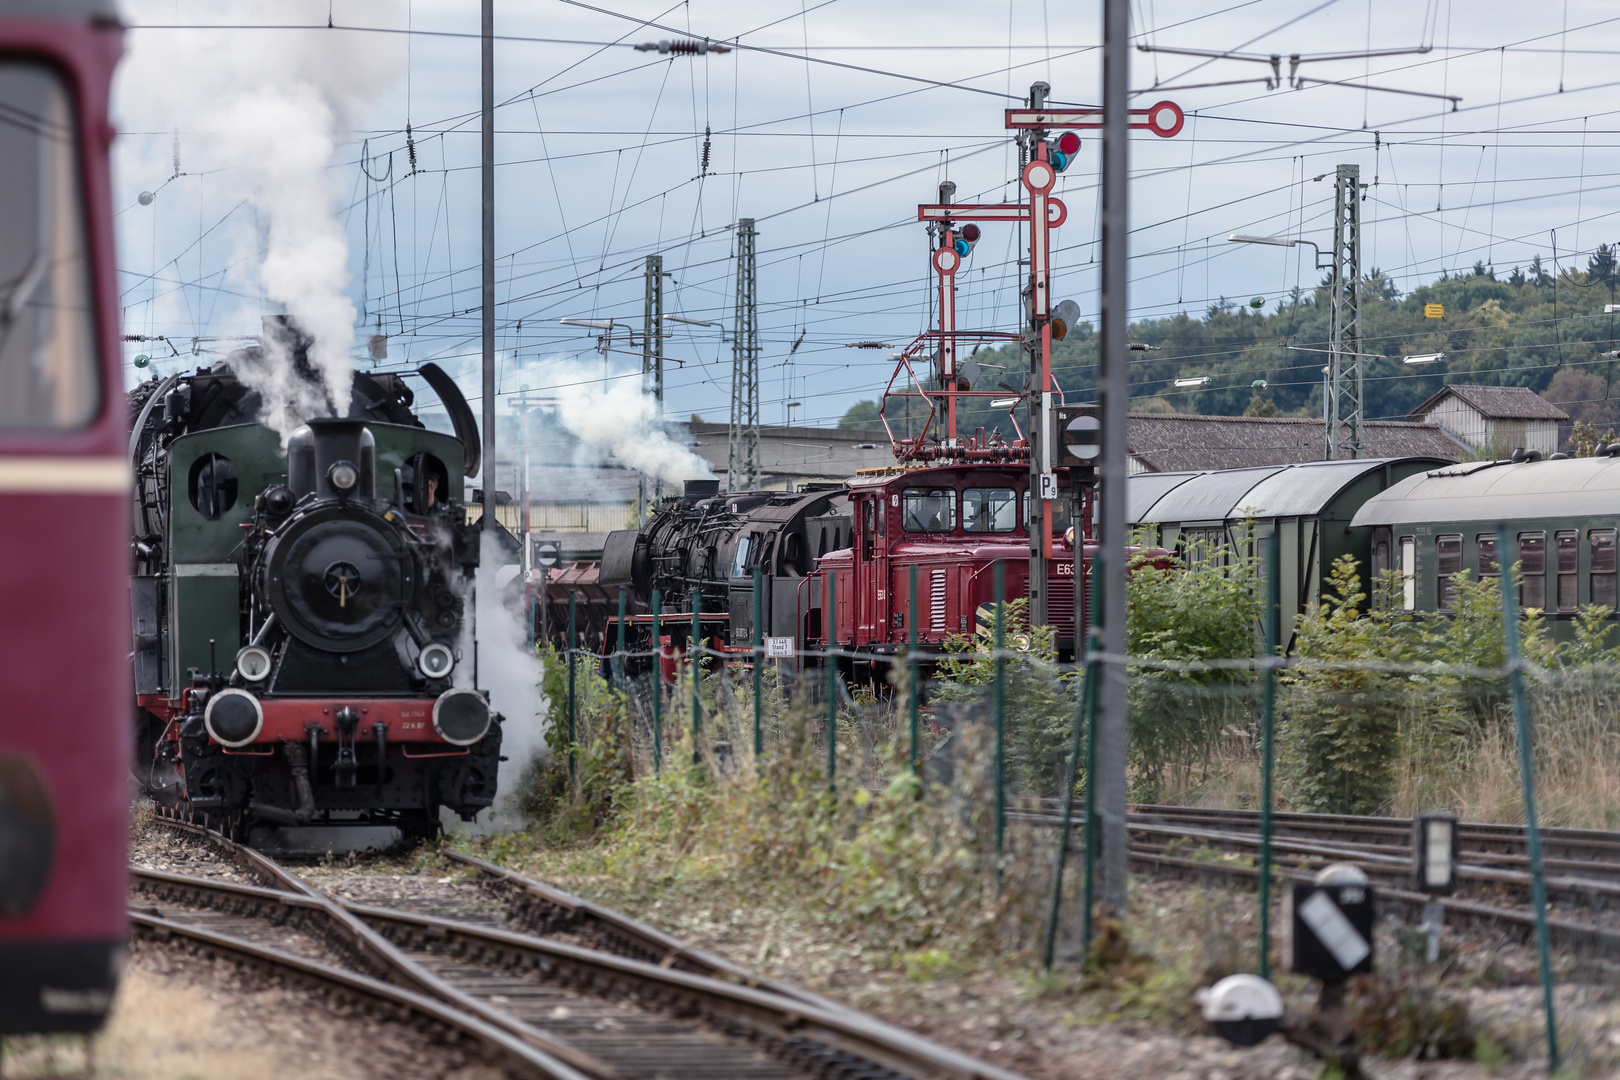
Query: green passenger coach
x,y
1561,517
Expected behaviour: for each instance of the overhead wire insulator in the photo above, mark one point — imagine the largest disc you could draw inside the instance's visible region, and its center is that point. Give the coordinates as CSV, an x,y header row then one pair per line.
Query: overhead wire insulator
x,y
704,169
410,146
682,47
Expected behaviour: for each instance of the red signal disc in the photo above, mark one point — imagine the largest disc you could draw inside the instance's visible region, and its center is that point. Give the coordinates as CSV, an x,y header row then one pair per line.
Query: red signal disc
x,y
970,233
1069,143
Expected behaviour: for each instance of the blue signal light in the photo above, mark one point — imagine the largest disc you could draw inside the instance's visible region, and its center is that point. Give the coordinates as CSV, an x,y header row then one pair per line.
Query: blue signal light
x,y
963,247
1060,160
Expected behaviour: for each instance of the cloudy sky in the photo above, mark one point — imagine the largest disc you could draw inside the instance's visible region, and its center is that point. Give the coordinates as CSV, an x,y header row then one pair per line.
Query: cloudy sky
x,y
268,140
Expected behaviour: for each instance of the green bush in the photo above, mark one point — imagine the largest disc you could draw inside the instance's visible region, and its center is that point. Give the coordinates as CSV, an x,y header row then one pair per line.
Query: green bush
x,y
1207,608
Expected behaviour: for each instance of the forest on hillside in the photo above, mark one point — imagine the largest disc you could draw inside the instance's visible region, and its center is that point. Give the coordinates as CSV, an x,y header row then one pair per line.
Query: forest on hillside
x,y
1530,328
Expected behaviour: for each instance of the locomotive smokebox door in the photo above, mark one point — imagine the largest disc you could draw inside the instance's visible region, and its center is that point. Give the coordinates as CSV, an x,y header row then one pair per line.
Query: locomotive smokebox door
x,y
1331,931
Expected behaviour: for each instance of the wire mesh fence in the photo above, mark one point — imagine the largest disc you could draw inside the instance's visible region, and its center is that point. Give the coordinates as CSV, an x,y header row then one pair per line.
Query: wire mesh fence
x,y
1255,757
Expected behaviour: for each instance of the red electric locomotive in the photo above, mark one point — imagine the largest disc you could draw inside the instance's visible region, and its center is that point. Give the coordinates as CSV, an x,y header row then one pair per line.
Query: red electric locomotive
x,y
64,557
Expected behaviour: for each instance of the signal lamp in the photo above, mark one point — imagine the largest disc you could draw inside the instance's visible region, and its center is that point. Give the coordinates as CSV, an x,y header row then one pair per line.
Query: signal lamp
x,y
435,661
966,237
1065,316
1068,143
343,476
1434,852
253,663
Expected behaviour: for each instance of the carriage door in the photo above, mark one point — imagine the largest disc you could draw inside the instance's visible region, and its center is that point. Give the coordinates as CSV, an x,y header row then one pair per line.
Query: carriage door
x,y
867,579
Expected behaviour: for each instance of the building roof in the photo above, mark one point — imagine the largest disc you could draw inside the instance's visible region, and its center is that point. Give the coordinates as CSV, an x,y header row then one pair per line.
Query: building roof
x,y
1175,442
1496,403
1496,491
799,452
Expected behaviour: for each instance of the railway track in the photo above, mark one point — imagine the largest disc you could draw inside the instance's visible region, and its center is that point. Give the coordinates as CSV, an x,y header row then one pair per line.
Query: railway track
x,y
651,1007
1583,865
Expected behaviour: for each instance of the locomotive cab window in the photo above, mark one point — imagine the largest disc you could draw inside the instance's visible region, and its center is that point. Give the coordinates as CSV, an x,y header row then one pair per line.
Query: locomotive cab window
x,y
1448,561
989,510
868,509
48,373
739,564
1601,543
427,483
212,485
1533,570
1568,546
928,510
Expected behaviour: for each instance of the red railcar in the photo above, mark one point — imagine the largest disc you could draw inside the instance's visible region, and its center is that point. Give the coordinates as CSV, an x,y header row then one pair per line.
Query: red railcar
x,y
954,523
64,556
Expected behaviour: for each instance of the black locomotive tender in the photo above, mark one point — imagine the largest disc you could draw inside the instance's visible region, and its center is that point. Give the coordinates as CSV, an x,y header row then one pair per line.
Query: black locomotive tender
x,y
300,614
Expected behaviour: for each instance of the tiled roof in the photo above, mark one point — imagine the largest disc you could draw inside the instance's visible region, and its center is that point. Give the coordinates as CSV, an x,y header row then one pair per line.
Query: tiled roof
x,y
1498,403
1171,442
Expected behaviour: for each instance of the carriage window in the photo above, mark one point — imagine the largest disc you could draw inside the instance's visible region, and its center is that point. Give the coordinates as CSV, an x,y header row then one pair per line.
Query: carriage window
x,y
1448,551
1569,565
928,510
1487,555
1533,568
48,370
212,486
989,510
1380,566
1601,542
1408,573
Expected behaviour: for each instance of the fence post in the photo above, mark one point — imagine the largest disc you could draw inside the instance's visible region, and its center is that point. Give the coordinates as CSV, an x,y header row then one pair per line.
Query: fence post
x,y
618,652
573,641
658,688
1000,578
1532,831
1085,721
829,624
913,682
759,663
1268,725
696,663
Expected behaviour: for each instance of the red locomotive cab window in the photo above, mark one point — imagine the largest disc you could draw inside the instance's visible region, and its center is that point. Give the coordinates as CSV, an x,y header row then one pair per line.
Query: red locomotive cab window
x,y
929,510
49,378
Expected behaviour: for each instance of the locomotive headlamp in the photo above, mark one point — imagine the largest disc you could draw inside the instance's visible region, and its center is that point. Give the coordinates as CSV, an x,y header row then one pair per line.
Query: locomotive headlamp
x,y
461,716
435,661
253,663
343,476
233,717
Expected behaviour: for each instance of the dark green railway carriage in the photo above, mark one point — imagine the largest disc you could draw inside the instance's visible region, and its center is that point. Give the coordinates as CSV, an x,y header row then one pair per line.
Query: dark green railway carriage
x,y
1309,506
1561,516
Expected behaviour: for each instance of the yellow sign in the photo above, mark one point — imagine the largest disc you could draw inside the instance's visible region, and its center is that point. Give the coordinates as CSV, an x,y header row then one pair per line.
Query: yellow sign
x,y
1434,311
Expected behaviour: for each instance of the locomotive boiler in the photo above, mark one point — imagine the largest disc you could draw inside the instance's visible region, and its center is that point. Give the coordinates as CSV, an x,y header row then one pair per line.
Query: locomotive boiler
x,y
304,673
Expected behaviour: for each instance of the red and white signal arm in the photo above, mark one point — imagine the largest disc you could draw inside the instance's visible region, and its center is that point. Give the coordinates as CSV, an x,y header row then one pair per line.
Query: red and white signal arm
x,y
1164,118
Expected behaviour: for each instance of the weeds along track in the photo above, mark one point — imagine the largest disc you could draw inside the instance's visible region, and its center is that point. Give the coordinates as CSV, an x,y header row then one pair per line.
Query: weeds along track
x,y
1582,865
574,1011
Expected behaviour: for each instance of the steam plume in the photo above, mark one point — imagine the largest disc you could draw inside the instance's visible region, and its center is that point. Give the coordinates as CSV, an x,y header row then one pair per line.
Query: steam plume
x,y
619,422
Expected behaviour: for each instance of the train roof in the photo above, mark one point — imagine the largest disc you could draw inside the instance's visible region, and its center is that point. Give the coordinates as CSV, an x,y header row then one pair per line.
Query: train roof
x,y
60,10
1273,491
1494,491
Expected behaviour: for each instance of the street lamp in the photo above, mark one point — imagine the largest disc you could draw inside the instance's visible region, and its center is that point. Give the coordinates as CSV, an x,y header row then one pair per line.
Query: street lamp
x,y
1424,358
1277,241
1202,380
594,324
688,322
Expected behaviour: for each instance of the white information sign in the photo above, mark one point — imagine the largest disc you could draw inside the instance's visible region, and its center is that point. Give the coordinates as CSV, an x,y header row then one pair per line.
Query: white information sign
x,y
779,648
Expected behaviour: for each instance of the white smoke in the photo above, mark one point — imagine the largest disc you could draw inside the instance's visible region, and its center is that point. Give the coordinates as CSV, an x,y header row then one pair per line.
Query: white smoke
x,y
510,672
618,422
262,118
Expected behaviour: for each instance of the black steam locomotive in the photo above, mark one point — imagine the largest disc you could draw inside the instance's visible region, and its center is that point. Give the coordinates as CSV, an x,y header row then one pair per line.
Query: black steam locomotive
x,y
302,662
705,545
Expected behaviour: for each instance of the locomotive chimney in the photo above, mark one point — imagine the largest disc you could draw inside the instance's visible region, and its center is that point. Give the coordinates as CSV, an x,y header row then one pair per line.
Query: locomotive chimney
x,y
332,458
702,489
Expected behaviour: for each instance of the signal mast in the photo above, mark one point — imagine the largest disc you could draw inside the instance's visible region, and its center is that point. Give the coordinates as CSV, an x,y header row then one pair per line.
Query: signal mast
x,y
954,229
